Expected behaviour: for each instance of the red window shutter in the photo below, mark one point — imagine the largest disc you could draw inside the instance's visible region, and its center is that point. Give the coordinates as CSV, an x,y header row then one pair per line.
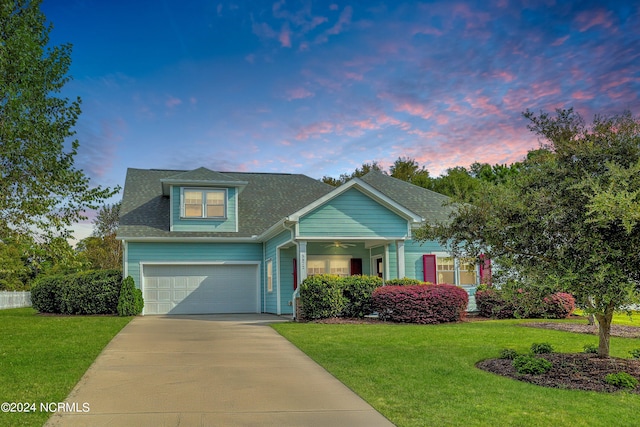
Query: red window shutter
x,y
485,269
295,274
429,268
356,266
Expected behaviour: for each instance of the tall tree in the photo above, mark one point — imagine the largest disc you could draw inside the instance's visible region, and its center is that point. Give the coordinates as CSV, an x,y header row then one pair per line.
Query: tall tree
x,y
457,183
40,189
361,171
570,217
407,169
102,250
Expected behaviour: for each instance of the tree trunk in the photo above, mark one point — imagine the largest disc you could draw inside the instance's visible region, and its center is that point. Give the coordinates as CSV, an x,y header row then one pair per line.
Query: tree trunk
x,y
604,331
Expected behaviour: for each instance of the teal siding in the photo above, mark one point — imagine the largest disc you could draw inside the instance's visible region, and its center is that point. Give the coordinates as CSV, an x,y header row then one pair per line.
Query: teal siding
x,y
223,225
271,252
352,214
413,252
188,252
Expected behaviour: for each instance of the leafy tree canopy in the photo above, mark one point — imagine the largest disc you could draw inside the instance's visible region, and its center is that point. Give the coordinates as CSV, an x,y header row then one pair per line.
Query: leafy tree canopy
x,y
40,189
569,217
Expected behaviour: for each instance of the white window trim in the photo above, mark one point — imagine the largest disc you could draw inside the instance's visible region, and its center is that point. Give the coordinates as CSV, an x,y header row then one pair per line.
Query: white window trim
x,y
224,191
456,268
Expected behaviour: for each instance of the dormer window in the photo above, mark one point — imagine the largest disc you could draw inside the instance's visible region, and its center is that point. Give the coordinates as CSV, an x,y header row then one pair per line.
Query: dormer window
x,y
204,203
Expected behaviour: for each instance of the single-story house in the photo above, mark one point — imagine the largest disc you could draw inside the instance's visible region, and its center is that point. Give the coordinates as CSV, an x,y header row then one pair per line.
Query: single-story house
x,y
202,241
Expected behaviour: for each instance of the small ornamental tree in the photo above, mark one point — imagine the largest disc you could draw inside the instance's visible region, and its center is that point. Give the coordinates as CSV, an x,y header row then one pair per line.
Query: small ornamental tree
x,y
570,218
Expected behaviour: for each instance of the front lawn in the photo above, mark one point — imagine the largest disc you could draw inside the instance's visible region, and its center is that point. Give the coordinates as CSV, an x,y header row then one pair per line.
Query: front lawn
x,y
425,375
43,357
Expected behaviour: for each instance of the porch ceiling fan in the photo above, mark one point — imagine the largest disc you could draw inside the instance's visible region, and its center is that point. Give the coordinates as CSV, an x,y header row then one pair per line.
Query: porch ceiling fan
x,y
338,244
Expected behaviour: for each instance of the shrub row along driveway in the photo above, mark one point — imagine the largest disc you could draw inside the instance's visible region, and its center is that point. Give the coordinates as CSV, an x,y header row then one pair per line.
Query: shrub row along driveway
x,y
211,370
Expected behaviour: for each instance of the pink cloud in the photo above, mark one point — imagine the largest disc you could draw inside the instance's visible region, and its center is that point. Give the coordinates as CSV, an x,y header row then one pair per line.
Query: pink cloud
x,y
172,102
505,76
593,18
353,76
560,41
285,36
314,130
343,20
298,93
426,29
415,109
581,95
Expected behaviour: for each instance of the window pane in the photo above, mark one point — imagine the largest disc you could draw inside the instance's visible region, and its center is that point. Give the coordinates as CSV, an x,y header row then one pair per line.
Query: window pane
x,y
467,271
193,210
193,197
315,267
446,277
340,267
215,198
215,211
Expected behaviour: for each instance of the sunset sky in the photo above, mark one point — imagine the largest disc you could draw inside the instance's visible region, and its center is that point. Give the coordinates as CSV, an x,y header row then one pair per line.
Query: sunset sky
x,y
321,87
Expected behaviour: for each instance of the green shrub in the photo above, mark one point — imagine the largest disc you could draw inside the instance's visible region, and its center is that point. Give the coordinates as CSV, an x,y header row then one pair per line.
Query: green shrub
x,y
508,353
519,303
541,348
622,380
529,364
404,282
46,294
590,349
635,353
358,290
90,292
321,297
130,302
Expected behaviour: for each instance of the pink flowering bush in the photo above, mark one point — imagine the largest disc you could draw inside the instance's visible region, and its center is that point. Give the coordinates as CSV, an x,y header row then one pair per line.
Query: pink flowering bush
x,y
423,304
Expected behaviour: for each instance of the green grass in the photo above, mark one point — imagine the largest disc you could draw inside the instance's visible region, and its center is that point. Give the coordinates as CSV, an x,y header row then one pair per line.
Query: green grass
x,y
43,357
425,375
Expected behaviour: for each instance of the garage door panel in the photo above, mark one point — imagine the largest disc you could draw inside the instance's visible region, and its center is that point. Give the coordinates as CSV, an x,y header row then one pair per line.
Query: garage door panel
x,y
200,289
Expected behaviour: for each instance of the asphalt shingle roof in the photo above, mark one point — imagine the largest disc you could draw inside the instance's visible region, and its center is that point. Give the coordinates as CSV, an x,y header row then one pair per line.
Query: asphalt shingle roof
x,y
266,199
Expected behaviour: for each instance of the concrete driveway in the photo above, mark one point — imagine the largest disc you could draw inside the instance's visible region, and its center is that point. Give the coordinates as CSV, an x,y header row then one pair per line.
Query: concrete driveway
x,y
209,370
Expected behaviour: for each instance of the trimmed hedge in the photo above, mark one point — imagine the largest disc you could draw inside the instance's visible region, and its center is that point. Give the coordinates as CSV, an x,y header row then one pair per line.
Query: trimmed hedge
x,y
130,302
423,304
503,304
90,292
405,281
321,297
358,291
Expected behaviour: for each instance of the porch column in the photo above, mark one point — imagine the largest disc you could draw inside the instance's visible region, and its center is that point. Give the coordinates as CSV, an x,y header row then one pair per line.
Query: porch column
x,y
385,262
302,261
400,255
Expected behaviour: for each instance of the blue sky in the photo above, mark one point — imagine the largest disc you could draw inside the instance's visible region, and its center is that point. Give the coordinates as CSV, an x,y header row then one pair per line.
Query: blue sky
x,y
321,87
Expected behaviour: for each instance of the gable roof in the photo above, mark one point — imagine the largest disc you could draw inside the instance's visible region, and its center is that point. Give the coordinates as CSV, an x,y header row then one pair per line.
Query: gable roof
x,y
366,189
426,203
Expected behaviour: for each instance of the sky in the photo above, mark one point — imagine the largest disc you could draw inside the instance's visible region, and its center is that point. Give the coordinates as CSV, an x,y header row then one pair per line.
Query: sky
x,y
321,87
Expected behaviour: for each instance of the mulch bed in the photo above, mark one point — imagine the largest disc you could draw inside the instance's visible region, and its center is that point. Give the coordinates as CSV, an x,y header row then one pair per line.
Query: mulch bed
x,y
576,371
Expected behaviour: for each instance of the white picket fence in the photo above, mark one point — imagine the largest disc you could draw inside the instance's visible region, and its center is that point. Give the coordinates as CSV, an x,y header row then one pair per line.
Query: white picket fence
x,y
9,299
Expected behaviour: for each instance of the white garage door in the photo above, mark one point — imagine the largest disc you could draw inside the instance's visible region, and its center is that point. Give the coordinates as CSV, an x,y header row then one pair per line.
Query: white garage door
x,y
200,289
